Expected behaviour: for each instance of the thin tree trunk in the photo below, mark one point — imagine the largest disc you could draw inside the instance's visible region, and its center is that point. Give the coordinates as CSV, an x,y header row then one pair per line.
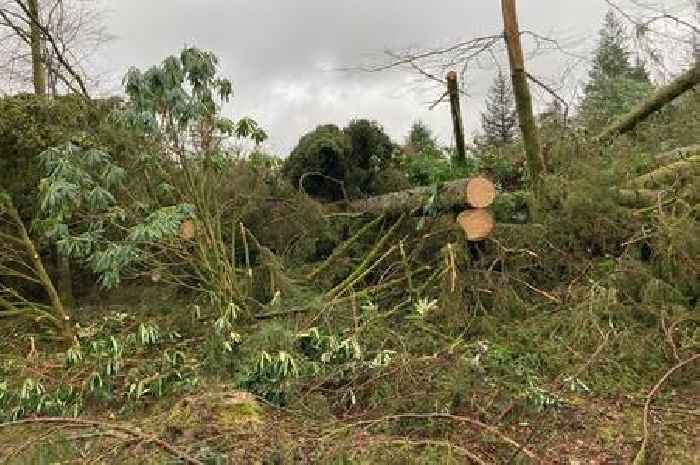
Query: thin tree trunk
x,y
65,280
521,89
663,96
64,323
38,71
458,125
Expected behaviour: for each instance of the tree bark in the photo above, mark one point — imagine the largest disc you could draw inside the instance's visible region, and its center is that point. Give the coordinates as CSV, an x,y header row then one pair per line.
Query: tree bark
x,y
457,124
65,280
663,96
38,70
451,194
63,323
523,99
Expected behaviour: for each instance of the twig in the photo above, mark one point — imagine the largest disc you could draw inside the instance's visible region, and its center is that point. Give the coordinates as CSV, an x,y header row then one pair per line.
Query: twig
x,y
429,442
640,458
551,91
461,419
146,438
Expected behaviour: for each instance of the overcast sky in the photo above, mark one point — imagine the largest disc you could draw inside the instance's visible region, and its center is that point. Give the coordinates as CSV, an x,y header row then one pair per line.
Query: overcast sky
x,y
283,55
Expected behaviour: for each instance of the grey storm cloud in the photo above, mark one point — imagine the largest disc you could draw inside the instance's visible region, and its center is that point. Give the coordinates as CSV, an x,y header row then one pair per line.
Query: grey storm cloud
x,y
284,56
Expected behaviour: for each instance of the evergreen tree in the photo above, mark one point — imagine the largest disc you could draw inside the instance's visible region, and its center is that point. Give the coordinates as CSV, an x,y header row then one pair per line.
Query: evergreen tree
x,y
615,84
421,136
612,59
500,121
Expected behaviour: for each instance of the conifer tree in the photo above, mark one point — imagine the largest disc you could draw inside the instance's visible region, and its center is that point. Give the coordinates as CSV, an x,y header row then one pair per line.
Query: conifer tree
x,y
500,121
421,138
615,84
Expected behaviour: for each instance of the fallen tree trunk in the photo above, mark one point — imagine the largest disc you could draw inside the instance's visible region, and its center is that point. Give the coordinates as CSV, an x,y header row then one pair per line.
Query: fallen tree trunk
x,y
663,96
475,192
668,175
450,195
678,154
638,198
643,190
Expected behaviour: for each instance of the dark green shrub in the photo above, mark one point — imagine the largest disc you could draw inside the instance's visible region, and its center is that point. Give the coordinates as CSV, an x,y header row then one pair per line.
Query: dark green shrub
x,y
331,164
319,162
371,153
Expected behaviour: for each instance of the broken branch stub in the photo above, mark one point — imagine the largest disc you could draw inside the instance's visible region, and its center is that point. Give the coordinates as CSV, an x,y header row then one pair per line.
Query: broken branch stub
x,y
477,224
480,193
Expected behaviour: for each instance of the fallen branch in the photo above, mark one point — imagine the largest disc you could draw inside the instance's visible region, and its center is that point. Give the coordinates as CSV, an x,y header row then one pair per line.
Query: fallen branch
x,y
345,246
432,443
663,96
143,437
640,458
460,419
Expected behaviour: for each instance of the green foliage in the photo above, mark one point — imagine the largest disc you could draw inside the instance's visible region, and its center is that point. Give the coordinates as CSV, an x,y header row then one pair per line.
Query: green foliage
x,y
610,98
425,164
30,125
320,162
615,85
32,399
331,164
504,165
520,373
271,376
420,138
79,212
183,96
371,153
500,121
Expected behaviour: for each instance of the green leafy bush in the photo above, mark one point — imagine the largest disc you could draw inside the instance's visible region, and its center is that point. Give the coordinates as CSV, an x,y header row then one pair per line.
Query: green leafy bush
x,y
332,164
319,162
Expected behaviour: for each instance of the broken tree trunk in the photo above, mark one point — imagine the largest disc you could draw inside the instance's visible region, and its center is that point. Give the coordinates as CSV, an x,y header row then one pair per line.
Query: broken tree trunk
x,y
523,99
663,96
453,91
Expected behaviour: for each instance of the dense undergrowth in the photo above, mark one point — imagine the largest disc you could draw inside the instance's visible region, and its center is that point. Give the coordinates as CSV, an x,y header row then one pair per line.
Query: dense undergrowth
x,y
285,330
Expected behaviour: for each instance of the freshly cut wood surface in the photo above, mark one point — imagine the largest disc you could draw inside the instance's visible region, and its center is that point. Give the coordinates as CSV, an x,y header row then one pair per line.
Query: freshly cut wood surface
x,y
477,224
480,192
187,230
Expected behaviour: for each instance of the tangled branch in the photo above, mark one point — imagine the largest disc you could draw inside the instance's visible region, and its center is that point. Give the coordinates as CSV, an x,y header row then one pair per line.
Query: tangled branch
x,y
108,429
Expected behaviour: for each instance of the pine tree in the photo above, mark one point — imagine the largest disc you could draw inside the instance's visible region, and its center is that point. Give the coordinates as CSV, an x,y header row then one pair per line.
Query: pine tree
x,y
500,121
420,138
612,59
615,84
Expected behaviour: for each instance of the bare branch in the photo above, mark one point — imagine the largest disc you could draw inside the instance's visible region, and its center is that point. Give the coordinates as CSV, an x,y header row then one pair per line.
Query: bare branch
x,y
54,44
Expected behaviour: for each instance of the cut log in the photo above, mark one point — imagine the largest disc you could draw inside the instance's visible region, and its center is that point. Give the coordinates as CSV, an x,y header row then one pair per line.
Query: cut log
x,y
480,193
477,224
412,200
663,96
